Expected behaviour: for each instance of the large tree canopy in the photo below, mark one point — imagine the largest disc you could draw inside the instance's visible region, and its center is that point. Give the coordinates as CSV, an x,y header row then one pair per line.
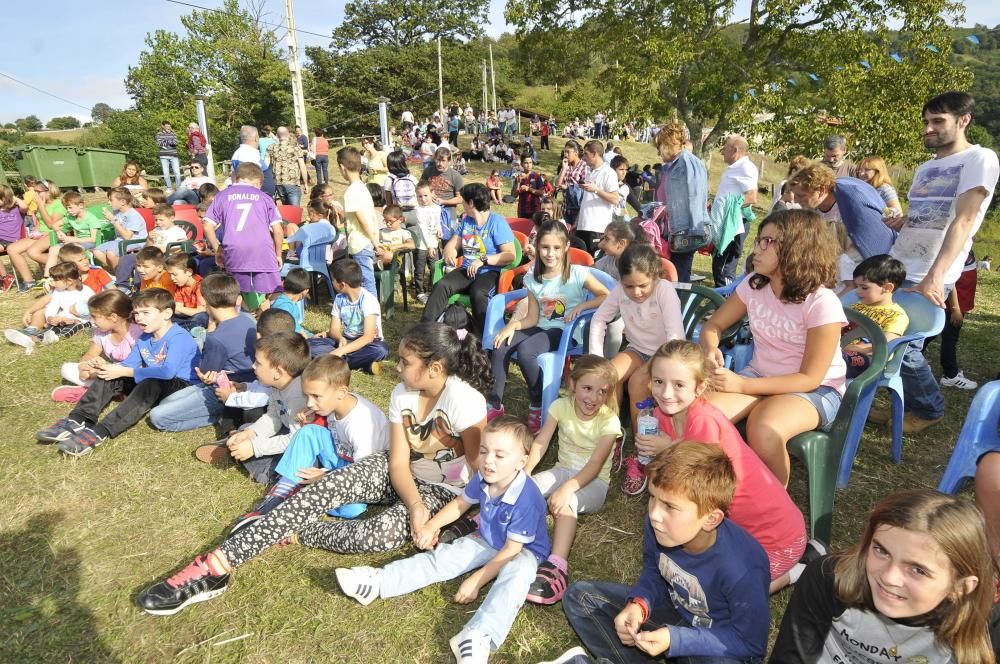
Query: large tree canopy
x,y
788,57
402,24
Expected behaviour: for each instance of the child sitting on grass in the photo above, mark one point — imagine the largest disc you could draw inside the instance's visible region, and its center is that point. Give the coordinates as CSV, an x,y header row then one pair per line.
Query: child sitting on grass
x,y
227,356
58,318
702,592
510,542
876,279
338,427
355,323
162,362
114,337
278,363
296,285
190,311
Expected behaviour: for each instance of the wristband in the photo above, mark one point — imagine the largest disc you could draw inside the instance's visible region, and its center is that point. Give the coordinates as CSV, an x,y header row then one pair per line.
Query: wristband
x,y
643,606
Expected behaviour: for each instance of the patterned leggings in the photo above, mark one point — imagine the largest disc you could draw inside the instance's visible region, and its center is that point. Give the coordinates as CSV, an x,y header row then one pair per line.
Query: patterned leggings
x,y
365,481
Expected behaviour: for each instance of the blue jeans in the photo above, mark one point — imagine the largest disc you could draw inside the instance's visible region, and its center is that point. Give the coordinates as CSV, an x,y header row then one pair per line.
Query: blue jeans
x,y
683,263
591,607
497,612
362,358
189,196
322,168
291,194
193,407
921,392
366,261
312,446
165,164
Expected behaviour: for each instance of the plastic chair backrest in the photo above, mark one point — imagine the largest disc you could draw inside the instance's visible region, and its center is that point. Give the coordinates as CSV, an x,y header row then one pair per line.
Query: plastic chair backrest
x,y
192,229
979,435
184,206
521,225
98,210
290,213
521,238
580,257
698,303
147,216
926,321
669,271
314,239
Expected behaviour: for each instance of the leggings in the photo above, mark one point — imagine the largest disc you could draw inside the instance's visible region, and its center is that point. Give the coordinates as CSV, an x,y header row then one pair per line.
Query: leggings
x,y
528,344
365,481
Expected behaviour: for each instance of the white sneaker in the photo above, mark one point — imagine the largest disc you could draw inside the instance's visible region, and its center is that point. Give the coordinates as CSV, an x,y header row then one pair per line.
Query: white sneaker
x,y
470,646
959,381
422,298
361,583
21,339
575,655
49,338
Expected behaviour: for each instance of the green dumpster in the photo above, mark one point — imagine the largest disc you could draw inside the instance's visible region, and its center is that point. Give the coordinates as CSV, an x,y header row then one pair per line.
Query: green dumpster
x,y
99,167
57,163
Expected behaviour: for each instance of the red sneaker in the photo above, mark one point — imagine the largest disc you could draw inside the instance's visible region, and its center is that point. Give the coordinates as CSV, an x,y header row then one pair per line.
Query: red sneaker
x,y
68,393
534,418
634,481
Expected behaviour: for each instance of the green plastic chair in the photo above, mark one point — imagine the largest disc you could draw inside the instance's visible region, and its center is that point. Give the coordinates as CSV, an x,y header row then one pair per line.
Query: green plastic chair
x,y
385,280
820,451
462,298
698,303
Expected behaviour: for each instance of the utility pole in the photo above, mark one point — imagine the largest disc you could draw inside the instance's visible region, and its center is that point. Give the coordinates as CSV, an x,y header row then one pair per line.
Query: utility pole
x,y
440,85
493,79
199,105
298,97
486,93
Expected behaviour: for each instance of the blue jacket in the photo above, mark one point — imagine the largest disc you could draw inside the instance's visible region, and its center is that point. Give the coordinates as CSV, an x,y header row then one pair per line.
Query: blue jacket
x,y
861,210
684,190
175,355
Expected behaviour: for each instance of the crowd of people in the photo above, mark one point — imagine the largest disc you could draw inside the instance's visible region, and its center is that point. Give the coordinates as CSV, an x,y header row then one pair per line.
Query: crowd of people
x,y
196,334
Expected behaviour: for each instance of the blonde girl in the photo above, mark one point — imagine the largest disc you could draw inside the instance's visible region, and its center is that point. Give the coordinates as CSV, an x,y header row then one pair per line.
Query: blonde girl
x,y
679,380
874,171
795,380
918,587
588,427
556,296
51,213
651,313
493,183
114,336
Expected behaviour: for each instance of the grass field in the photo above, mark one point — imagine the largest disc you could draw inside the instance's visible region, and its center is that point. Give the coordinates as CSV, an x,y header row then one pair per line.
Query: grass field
x,y
80,538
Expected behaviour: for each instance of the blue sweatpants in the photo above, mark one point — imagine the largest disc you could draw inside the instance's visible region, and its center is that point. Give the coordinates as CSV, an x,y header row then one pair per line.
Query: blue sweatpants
x,y
312,446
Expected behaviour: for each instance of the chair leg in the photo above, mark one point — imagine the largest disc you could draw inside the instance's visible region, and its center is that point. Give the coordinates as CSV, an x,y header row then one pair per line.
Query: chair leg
x,y
897,425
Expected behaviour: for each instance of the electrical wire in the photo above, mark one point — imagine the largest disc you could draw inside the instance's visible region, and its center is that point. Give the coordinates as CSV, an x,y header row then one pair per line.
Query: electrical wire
x,y
46,92
223,11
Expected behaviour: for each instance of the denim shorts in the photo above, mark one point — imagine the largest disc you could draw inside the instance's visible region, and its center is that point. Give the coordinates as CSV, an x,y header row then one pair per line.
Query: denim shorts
x,y
645,358
825,399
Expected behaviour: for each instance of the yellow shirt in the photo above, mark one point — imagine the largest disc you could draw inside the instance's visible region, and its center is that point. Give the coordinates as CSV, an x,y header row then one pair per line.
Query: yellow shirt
x,y
29,200
357,199
578,438
891,318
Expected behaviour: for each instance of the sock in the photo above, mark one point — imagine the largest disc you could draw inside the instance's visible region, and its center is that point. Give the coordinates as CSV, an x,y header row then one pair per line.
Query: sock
x,y
217,563
560,563
796,572
101,431
282,488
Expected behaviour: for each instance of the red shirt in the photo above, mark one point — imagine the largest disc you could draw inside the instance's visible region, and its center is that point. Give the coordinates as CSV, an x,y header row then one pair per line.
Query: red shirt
x,y
761,505
96,279
187,296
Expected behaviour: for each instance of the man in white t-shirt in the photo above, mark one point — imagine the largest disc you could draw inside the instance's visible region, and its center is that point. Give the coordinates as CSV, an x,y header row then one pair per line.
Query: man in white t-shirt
x,y
739,179
600,195
407,116
948,200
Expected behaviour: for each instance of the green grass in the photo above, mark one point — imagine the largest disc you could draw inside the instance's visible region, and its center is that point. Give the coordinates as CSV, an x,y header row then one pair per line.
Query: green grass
x,y
80,538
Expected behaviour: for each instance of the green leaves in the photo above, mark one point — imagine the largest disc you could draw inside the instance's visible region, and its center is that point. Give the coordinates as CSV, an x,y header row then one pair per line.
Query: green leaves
x,y
369,23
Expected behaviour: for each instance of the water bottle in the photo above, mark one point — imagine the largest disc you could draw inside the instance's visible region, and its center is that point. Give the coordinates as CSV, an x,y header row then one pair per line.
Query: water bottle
x,y
646,424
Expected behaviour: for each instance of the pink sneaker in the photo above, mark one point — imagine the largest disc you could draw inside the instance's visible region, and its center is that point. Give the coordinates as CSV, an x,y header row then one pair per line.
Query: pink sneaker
x,y
493,413
534,418
617,454
634,481
68,393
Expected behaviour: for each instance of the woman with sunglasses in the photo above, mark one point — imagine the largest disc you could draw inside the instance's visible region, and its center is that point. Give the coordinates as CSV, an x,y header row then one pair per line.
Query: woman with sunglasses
x,y
795,381
188,191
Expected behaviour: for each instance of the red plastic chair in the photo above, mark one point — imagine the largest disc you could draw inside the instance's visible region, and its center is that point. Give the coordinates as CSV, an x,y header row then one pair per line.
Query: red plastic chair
x,y
521,225
669,271
189,221
183,206
581,257
290,213
147,216
522,238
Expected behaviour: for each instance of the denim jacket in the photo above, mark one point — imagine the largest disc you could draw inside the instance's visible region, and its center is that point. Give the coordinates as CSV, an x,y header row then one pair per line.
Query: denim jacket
x,y
684,190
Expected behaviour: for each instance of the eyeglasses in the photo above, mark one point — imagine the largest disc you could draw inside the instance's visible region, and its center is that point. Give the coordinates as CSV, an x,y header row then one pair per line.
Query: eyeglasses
x,y
765,241
194,167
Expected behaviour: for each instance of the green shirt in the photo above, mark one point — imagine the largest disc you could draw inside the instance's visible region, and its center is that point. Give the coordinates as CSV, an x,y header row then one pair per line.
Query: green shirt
x,y
82,226
52,209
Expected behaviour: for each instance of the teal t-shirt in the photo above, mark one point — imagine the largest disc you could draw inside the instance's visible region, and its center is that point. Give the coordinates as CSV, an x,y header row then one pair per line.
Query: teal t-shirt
x,y
556,297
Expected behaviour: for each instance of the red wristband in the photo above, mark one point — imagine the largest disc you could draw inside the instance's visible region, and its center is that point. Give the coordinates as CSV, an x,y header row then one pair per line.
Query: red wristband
x,y
641,603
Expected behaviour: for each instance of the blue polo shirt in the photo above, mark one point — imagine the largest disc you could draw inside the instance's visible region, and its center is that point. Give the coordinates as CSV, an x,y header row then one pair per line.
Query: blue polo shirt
x,y
518,514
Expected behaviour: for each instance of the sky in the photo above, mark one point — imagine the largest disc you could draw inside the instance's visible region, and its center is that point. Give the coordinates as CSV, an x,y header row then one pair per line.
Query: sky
x,y
78,58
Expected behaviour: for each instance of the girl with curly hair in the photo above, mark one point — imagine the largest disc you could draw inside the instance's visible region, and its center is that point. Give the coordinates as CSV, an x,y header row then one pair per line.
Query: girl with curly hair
x,y
795,381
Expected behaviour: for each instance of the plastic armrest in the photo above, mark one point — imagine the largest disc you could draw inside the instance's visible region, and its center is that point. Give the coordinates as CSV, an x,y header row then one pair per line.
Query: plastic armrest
x,y
494,314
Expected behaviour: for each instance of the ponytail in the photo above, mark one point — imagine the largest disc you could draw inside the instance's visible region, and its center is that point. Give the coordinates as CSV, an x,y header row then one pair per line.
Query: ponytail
x,y
460,352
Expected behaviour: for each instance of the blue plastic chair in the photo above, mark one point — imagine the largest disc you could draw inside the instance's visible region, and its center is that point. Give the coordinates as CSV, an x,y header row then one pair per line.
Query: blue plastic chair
x,y
553,362
979,435
926,320
314,239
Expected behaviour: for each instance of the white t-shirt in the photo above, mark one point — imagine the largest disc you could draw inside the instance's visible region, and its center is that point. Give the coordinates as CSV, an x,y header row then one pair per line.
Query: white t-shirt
x,y
739,177
595,212
357,199
352,315
161,237
937,184
406,117
608,156
435,442
61,302
364,431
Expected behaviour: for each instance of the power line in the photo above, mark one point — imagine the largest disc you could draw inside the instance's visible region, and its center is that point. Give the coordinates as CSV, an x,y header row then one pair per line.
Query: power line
x,y
46,92
223,11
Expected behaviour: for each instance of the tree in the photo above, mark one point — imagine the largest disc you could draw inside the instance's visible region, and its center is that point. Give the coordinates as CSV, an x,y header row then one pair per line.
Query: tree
x,y
687,57
30,123
370,23
63,122
100,112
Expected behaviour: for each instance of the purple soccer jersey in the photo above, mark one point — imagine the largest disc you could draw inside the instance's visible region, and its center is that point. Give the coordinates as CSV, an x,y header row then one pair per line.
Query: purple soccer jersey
x,y
245,215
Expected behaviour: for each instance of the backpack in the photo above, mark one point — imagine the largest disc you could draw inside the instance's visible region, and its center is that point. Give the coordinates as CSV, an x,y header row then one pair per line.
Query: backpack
x,y
653,221
407,188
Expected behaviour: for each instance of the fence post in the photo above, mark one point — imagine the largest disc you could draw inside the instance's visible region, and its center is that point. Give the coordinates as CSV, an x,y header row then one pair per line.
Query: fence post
x,y
343,141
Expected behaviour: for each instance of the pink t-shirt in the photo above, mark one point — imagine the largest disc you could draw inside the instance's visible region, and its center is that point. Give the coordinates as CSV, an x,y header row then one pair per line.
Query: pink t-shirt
x,y
648,325
118,351
761,505
779,330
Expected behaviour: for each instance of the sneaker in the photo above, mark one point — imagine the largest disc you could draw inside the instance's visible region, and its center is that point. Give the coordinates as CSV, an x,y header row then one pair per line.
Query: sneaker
x,y
575,655
634,482
7,282
26,286
68,393
534,418
814,550
49,338
422,298
375,368
59,431
465,525
20,338
549,585
960,381
361,583
195,583
81,443
617,454
470,646
216,454
292,257
493,413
